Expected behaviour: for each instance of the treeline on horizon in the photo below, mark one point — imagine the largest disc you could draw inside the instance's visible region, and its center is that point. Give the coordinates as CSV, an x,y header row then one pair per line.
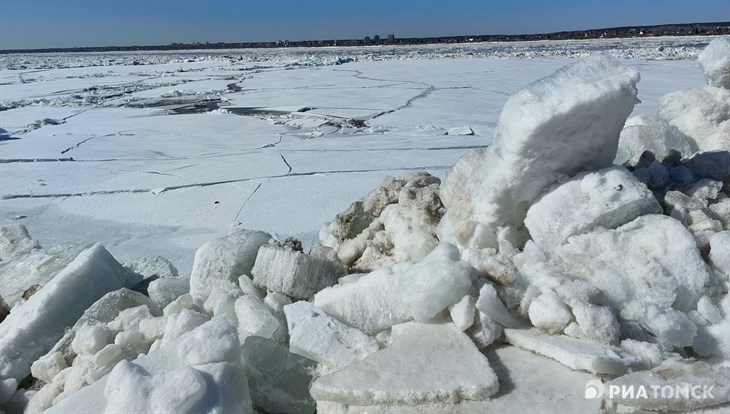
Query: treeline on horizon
x,y
691,29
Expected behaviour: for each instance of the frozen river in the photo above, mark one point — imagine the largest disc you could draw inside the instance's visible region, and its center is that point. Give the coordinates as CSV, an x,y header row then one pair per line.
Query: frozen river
x,y
154,154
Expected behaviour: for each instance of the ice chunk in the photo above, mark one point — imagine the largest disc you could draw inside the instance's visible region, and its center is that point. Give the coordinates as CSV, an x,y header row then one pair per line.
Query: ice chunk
x,y
46,367
276,302
395,223
692,212
220,301
462,130
15,241
294,273
220,262
424,364
208,355
719,248
248,288
151,267
675,385
7,389
164,290
485,330
90,339
462,312
651,133
708,310
35,268
176,391
130,318
494,266
607,198
653,259
714,339
557,126
574,353
407,291
715,62
254,317
596,323
491,305
317,336
33,327
103,311
703,114
548,313
279,379
180,323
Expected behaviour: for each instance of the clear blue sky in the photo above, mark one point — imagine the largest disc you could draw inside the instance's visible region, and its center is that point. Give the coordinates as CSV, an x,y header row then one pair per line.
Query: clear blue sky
x,y
66,23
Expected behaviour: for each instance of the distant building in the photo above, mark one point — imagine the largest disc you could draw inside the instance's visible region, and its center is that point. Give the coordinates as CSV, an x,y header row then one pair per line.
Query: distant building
x,y
391,38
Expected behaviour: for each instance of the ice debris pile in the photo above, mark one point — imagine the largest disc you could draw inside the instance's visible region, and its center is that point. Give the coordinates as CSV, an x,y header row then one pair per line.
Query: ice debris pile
x,y
596,241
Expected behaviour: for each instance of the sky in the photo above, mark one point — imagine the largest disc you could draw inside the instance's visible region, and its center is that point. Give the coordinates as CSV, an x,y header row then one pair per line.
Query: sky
x,y
68,23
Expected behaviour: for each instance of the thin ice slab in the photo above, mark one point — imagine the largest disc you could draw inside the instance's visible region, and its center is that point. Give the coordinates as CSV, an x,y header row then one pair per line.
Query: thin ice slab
x,y
574,353
426,364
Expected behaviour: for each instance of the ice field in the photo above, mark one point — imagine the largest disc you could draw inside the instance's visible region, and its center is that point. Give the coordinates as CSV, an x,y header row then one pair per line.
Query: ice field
x,y
527,226
146,180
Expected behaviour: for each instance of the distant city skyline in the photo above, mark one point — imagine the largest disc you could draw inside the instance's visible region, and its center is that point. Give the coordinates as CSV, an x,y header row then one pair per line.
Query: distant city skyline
x,y
31,24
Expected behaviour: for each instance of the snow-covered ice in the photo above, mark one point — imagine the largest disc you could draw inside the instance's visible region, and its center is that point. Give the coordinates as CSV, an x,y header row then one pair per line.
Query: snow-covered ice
x,y
554,128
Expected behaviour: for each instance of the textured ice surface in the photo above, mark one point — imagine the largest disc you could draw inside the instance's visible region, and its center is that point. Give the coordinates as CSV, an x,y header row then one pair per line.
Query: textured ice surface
x,y
649,270
103,311
220,262
33,327
406,291
703,114
557,126
35,268
164,290
549,314
15,241
294,273
199,372
254,317
319,337
279,379
395,223
574,353
715,62
606,198
651,133
719,248
491,305
424,364
675,385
